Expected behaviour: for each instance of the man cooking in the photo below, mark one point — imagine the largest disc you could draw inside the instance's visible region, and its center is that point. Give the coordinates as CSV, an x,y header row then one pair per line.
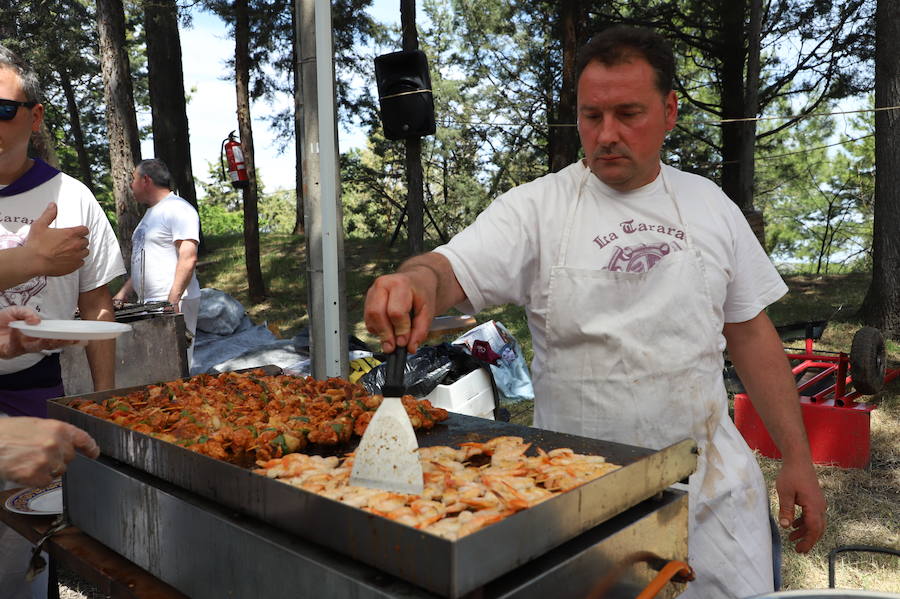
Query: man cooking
x,y
635,277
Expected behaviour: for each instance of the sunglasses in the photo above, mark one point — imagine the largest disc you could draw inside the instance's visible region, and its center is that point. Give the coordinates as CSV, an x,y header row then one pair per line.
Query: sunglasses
x,y
8,108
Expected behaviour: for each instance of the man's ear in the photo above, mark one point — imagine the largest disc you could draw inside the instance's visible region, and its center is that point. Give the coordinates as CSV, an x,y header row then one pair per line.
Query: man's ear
x,y
37,117
671,110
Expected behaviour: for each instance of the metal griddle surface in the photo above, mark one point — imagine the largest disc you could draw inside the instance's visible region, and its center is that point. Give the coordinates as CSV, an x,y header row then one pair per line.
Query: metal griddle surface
x,y
449,568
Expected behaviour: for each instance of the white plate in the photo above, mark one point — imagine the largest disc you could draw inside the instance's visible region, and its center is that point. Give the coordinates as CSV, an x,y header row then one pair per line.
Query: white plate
x,y
72,329
39,501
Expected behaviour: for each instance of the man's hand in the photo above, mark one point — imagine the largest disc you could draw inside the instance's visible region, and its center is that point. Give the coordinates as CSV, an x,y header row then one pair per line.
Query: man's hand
x,y
424,285
124,293
14,343
34,451
756,350
55,252
389,302
798,486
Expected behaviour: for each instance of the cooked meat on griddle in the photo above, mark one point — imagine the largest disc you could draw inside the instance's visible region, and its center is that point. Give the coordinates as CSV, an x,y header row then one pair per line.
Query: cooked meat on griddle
x,y
245,417
466,488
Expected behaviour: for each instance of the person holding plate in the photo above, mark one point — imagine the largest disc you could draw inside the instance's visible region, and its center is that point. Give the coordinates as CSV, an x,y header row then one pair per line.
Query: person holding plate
x,y
33,451
30,372
27,187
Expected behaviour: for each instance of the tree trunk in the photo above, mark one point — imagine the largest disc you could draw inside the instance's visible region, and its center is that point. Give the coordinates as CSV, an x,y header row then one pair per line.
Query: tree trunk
x,y
740,100
732,50
171,138
747,152
299,221
124,146
881,307
84,161
256,288
563,139
415,206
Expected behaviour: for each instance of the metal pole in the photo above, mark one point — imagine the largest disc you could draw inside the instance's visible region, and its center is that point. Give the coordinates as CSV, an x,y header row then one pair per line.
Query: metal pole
x,y
324,226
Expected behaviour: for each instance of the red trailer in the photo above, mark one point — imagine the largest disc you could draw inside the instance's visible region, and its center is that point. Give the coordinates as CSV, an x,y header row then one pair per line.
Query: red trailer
x,y
831,387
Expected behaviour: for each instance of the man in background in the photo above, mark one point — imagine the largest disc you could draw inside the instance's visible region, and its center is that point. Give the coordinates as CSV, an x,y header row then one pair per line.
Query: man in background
x,y
164,246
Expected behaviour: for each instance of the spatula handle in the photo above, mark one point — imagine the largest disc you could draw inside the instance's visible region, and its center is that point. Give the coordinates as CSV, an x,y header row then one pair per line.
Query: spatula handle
x,y
393,373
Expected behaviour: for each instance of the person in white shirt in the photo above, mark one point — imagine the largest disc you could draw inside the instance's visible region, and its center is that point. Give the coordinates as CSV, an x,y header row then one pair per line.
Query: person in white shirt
x,y
41,205
635,276
28,186
164,246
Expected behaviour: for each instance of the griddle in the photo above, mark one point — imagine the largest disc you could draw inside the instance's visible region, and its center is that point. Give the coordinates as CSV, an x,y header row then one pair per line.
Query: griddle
x,y
449,568
137,311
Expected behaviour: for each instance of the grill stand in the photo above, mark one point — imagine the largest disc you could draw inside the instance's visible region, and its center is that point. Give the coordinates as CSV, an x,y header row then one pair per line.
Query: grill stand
x,y
205,550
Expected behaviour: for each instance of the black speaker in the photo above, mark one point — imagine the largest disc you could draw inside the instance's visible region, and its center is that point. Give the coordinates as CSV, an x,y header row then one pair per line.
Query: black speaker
x,y
404,94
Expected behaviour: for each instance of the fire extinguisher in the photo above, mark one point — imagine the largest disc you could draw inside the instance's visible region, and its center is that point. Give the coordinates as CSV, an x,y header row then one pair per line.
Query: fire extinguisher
x,y
237,168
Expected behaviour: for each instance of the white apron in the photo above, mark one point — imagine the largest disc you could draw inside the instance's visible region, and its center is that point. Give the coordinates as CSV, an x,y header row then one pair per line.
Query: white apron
x,y
633,358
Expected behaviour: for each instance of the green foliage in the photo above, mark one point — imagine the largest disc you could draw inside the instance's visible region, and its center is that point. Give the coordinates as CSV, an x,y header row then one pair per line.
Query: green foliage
x,y
272,56
492,75
218,220
277,211
496,74
818,197
221,206
217,190
367,204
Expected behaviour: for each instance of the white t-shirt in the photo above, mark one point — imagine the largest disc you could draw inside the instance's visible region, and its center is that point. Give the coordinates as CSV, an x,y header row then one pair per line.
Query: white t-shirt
x,y
505,256
154,255
57,297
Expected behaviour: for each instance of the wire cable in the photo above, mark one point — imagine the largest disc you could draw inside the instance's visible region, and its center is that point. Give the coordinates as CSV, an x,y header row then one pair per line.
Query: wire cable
x,y
691,122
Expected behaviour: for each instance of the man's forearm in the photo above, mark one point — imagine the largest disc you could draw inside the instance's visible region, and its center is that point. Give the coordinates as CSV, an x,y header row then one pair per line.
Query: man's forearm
x,y
437,268
101,355
125,292
15,267
758,355
183,271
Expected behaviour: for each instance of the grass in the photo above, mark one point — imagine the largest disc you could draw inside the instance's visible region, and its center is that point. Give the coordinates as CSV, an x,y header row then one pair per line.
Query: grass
x,y
863,505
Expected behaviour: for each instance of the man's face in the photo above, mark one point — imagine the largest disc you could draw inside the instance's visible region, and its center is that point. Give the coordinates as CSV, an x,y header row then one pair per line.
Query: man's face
x,y
16,132
139,186
622,122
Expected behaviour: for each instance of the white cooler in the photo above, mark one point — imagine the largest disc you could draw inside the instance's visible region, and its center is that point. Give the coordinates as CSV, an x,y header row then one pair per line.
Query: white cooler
x,y
471,395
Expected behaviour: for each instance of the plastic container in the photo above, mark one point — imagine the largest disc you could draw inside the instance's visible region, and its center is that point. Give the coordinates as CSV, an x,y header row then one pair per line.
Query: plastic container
x,y
471,395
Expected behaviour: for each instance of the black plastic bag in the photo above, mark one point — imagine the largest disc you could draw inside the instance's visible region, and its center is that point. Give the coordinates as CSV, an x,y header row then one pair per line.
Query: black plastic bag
x,y
427,368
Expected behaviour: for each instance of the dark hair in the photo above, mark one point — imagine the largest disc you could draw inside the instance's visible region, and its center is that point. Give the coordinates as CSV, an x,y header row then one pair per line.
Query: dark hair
x,y
621,43
157,170
30,82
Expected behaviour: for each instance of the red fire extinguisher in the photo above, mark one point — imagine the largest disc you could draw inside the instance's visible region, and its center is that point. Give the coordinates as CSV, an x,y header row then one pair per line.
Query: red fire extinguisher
x,y
237,168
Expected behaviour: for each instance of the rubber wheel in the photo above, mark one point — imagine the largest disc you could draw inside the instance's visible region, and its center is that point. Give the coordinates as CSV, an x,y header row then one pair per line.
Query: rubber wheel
x,y
867,360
